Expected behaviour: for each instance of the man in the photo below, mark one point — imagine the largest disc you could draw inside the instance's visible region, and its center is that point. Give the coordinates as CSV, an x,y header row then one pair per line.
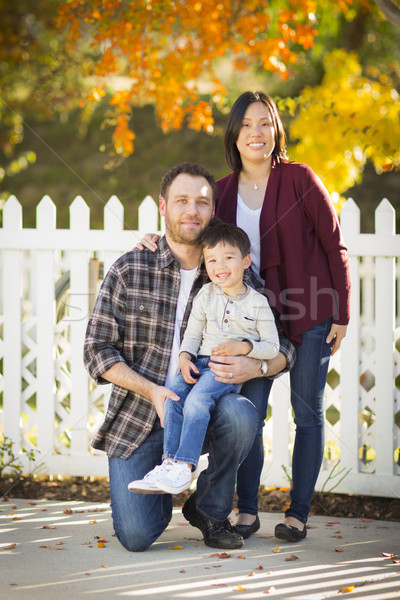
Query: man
x,y
132,341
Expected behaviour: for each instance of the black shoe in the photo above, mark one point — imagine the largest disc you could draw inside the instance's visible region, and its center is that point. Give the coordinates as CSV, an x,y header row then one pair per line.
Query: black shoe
x,y
215,533
290,533
246,530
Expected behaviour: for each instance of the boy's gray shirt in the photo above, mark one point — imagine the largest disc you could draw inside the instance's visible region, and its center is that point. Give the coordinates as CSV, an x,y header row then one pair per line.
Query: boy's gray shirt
x,y
216,318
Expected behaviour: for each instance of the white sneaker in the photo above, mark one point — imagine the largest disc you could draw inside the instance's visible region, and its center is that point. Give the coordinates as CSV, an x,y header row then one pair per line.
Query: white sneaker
x,y
174,478
148,485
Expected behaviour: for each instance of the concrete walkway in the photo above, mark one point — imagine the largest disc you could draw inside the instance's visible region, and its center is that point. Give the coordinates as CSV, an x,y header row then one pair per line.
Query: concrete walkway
x,y
49,550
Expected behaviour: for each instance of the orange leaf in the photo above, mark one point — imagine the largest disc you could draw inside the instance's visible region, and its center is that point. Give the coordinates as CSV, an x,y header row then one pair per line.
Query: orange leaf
x,y
346,589
9,547
339,550
241,556
101,545
54,548
292,557
48,527
104,566
102,540
92,522
68,511
270,590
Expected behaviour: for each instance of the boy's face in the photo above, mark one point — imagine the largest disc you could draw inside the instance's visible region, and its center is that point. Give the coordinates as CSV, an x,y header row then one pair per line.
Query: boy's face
x,y
225,266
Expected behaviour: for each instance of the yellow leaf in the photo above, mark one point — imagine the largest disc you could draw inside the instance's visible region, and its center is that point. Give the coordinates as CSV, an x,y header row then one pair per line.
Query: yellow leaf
x,y
346,589
276,549
101,545
9,547
175,547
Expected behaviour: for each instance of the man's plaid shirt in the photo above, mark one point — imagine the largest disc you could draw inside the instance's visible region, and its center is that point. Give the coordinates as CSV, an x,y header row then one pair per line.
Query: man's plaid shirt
x,y
133,322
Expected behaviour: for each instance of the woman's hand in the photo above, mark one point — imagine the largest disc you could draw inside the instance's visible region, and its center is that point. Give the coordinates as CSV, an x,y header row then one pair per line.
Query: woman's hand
x,y
149,241
337,333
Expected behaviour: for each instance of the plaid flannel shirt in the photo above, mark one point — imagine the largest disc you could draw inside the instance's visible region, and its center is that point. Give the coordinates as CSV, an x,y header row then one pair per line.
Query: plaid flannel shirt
x,y
133,322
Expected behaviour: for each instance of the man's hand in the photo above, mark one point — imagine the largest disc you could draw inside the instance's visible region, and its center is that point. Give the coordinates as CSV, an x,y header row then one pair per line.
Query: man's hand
x,y
232,348
243,368
149,240
337,333
158,395
187,367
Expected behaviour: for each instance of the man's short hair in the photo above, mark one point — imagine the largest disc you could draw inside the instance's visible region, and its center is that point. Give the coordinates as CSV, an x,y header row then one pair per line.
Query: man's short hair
x,y
188,168
218,231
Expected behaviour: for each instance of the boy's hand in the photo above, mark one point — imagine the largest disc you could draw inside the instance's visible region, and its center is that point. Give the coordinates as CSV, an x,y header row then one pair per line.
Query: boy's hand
x,y
233,348
158,396
187,366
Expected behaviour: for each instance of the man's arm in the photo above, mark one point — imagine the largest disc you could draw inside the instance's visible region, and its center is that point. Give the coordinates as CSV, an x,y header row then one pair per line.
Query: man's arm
x,y
123,376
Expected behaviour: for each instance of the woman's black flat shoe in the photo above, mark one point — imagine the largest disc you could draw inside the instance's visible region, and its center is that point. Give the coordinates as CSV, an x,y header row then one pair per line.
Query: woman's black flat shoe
x,y
246,530
289,533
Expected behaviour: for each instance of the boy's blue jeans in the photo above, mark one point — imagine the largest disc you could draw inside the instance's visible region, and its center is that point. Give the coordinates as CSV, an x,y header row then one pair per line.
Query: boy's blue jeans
x,y
186,421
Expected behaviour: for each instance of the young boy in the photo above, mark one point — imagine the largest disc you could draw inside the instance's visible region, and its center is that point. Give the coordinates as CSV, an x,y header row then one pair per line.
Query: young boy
x,y
228,318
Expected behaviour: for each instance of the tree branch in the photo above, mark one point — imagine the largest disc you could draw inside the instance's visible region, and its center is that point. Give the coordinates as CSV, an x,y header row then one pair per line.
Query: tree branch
x,y
390,10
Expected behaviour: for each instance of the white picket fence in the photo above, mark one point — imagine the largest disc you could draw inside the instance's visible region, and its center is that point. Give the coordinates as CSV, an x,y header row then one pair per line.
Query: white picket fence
x,y
49,278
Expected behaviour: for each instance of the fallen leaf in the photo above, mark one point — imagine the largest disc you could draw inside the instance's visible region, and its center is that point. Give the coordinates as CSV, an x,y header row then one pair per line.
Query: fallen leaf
x,y
59,543
183,524
17,519
221,555
54,548
270,590
240,588
102,540
349,588
389,555
42,546
365,520
220,584
241,557
93,522
251,574
276,549
68,511
339,537
86,543
182,571
101,545
31,503
104,566
339,550
9,547
48,527
260,568
87,573
175,547
333,523
5,499
292,557
396,561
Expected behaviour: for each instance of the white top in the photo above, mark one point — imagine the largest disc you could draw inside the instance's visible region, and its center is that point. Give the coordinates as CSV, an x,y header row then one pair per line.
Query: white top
x,y
249,220
187,280
216,318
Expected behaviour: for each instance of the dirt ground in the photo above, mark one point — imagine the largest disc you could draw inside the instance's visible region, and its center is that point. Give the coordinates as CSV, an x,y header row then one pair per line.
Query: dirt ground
x,y
270,499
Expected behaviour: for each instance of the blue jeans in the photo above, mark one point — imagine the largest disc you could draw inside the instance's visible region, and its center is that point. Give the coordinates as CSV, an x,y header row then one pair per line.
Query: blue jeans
x,y
139,519
186,421
307,382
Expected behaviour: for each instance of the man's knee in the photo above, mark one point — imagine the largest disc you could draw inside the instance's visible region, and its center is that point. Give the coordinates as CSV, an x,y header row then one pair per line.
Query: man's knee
x,y
136,538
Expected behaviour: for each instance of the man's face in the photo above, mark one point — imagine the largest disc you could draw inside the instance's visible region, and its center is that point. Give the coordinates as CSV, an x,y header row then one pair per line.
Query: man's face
x,y
187,209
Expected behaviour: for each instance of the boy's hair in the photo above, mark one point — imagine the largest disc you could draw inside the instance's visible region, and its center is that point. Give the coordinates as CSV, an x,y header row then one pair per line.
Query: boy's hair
x,y
188,168
218,231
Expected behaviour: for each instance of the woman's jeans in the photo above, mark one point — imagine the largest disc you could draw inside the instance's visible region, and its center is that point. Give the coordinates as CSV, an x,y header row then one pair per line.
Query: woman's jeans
x,y
139,519
186,420
307,382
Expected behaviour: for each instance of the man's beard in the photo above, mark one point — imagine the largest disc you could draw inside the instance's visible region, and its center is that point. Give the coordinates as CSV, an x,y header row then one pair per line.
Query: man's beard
x,y
181,237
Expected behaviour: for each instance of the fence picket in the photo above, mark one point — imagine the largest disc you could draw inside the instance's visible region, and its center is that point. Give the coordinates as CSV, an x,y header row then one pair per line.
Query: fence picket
x,y
45,306
78,315
384,323
12,297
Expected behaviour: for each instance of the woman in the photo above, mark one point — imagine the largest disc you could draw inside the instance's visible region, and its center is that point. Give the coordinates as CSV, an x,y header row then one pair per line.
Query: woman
x,y
299,255
298,252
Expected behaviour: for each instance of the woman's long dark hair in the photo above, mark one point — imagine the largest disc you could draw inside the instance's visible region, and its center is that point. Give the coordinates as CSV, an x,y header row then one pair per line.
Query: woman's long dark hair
x,y
234,124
